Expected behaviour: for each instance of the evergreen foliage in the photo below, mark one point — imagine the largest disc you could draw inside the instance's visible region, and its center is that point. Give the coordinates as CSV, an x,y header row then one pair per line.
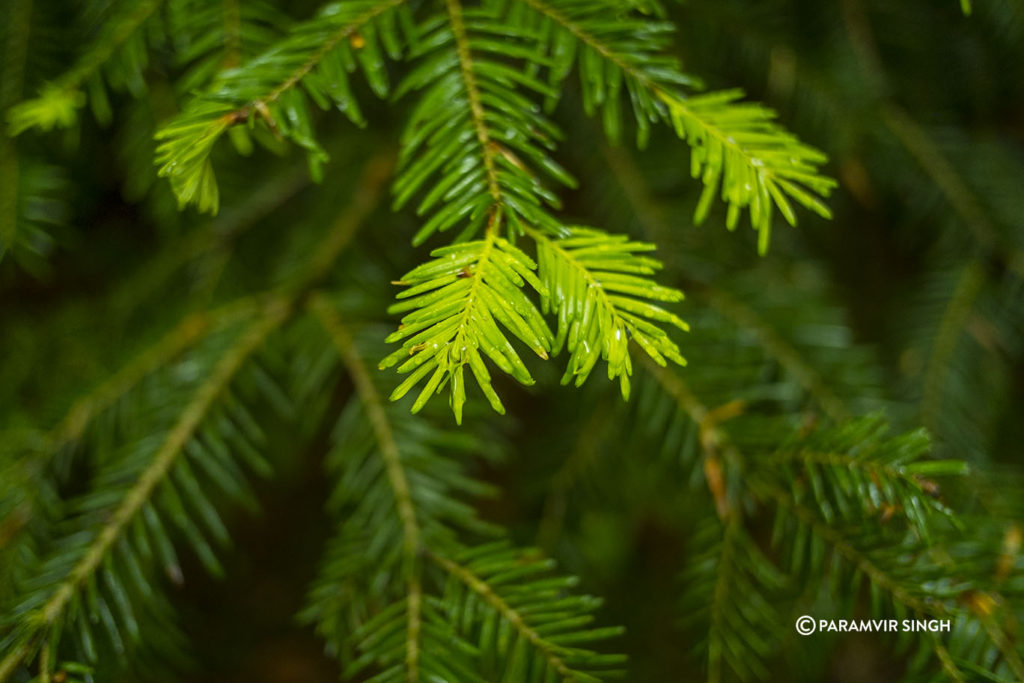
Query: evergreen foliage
x,y
195,324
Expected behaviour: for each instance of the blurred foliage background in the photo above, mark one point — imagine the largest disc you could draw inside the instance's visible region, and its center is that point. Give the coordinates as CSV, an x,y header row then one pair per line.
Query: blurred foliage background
x,y
907,304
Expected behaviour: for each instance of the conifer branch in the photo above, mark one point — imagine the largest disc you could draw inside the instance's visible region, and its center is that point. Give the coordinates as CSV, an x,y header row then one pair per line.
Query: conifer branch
x,y
878,576
875,469
732,586
189,331
720,454
185,334
12,76
951,328
345,32
736,148
779,348
314,54
166,455
948,665
716,654
473,137
476,109
916,141
587,275
846,549
718,297
517,621
57,103
195,326
272,315
388,448
450,327
461,294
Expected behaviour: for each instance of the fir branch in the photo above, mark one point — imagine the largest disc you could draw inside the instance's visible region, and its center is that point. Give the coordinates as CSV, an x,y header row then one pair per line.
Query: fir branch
x,y
372,441
397,488
389,452
345,32
276,309
507,612
211,38
756,165
315,54
736,148
12,76
70,429
900,590
919,145
779,348
139,494
905,592
951,183
472,90
512,585
456,301
588,275
844,547
194,326
720,456
950,330
855,471
733,584
56,104
186,333
460,295
472,138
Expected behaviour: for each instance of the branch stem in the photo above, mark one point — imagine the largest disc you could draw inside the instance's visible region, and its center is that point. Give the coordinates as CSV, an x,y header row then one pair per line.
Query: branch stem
x,y
374,404
481,588
476,107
